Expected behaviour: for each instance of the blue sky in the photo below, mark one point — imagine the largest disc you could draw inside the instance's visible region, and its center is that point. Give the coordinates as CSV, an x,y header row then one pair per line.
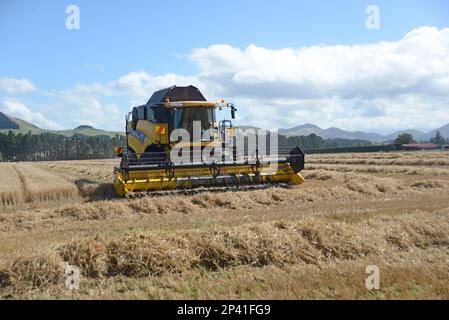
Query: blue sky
x,y
149,43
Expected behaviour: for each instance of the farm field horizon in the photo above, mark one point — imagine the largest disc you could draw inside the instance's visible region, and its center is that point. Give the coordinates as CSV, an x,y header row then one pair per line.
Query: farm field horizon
x,y
311,241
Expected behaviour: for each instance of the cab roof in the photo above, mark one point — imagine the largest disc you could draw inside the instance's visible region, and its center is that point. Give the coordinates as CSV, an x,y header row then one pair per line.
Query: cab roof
x,y
175,93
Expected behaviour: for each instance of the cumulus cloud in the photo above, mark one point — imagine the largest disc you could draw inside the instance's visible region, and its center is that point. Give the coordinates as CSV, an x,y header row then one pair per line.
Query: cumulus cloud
x,y
93,112
18,109
99,104
382,86
13,85
140,85
418,63
86,104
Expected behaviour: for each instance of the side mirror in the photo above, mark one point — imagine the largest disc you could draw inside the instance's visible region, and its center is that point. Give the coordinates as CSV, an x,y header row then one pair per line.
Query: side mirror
x,y
233,109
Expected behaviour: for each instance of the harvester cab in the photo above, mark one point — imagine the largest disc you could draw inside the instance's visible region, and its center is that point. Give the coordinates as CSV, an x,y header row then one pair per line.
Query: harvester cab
x,y
175,143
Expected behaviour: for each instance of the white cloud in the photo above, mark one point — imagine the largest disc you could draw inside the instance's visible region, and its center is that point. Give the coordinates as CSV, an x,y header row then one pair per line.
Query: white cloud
x,y
382,86
18,109
140,85
13,85
91,104
93,112
409,65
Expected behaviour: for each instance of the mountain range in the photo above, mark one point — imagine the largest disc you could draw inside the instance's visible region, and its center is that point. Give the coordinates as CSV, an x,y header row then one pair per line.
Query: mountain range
x,y
8,123
333,132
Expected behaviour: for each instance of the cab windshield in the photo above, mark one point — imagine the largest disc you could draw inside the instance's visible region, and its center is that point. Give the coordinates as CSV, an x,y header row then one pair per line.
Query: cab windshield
x,y
183,118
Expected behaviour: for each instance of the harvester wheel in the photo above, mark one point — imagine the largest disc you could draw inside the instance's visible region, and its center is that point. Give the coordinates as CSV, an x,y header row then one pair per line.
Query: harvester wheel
x,y
170,171
256,168
124,162
215,170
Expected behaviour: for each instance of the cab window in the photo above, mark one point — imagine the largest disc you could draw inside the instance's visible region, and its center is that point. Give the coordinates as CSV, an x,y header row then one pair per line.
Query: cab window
x,y
184,117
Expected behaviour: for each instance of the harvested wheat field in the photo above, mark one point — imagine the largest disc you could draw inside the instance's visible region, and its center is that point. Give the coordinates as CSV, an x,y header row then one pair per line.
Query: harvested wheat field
x,y
312,241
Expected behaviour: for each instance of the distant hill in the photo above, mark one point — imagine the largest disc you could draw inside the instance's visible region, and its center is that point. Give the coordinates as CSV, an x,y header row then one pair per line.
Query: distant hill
x,y
17,125
88,131
332,133
417,134
8,123
444,130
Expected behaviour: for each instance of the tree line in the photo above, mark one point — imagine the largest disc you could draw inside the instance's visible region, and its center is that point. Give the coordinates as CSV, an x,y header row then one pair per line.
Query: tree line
x,y
313,141
407,138
51,146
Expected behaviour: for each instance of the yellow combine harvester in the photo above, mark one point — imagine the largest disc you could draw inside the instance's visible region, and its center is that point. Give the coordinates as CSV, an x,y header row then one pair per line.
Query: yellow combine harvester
x,y
175,143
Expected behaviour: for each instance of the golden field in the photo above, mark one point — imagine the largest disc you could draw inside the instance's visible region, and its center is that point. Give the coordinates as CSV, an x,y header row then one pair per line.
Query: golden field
x,y
306,242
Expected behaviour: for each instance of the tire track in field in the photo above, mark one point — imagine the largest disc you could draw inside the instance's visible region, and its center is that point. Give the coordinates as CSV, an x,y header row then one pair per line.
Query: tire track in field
x,y
44,179
23,184
90,186
10,187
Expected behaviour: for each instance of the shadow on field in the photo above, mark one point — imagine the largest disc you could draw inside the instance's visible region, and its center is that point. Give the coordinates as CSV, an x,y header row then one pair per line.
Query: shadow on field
x,y
95,191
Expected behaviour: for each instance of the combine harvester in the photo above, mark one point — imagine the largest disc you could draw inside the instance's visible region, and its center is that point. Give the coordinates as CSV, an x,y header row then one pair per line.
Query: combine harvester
x,y
175,143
